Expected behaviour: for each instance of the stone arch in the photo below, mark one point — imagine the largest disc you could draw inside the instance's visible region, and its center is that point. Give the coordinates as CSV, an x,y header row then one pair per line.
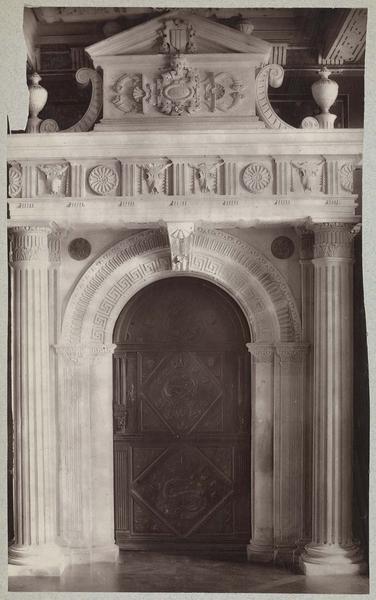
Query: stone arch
x,y
133,263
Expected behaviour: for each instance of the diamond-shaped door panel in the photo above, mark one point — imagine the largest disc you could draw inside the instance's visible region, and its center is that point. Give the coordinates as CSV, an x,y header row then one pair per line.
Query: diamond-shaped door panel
x,y
182,489
181,390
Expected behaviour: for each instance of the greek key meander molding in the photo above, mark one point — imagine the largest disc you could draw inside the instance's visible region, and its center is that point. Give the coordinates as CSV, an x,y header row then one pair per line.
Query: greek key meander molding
x,y
214,254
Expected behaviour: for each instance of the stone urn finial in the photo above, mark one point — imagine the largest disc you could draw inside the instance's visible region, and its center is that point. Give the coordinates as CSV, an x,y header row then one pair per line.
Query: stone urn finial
x,y
37,101
325,92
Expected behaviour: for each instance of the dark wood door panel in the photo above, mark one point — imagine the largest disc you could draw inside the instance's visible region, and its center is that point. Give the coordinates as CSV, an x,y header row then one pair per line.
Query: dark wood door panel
x,y
182,425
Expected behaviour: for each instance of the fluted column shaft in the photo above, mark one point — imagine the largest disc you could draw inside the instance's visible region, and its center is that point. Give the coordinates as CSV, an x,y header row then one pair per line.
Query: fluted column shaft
x,y
261,547
33,415
332,549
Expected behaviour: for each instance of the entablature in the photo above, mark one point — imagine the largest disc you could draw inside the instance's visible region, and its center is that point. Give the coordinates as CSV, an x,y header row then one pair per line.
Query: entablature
x,y
222,177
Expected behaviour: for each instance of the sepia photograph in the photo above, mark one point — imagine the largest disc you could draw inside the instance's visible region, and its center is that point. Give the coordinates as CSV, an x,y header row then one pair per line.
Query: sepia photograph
x,y
188,389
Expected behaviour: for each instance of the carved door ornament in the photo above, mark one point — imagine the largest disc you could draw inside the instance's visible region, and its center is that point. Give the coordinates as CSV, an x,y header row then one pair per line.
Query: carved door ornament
x,y
177,36
55,177
222,91
310,174
178,89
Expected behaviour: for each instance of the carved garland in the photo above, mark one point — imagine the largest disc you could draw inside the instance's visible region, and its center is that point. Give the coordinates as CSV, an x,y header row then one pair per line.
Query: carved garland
x,y
269,75
83,76
216,255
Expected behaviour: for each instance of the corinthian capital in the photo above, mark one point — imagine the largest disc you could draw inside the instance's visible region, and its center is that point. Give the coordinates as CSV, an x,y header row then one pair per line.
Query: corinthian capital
x,y
29,243
334,240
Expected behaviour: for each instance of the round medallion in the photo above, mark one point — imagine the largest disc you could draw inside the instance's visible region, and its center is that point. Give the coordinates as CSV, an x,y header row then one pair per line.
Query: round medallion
x,y
79,249
282,247
347,177
256,177
103,180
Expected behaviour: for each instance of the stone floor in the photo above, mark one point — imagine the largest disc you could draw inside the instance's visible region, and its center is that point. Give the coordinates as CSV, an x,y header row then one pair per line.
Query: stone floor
x,y
152,572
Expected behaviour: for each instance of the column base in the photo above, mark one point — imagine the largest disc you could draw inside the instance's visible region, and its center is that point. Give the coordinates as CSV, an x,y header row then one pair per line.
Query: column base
x,y
260,553
94,554
42,560
287,556
325,559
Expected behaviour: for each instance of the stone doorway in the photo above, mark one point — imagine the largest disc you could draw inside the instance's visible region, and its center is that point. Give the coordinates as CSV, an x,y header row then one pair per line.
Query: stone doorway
x,y
182,420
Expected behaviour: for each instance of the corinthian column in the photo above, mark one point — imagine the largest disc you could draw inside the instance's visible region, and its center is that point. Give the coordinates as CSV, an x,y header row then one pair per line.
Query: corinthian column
x,y
332,550
34,548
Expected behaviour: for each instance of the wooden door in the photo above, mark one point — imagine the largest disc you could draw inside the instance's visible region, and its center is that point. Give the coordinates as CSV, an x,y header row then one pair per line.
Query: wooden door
x,y
182,419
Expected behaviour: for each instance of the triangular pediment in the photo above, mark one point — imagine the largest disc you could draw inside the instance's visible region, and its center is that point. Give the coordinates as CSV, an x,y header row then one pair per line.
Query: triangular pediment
x,y
199,35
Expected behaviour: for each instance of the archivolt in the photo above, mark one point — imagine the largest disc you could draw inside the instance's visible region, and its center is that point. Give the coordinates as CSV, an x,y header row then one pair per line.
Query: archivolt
x,y
129,265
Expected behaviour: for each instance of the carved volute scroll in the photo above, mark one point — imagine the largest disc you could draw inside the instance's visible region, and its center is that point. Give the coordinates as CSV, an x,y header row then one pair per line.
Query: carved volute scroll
x,y
84,76
269,75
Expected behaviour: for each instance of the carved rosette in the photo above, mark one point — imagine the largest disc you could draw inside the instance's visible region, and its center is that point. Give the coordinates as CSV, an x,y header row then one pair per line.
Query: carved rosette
x,y
346,177
334,240
256,177
15,180
29,243
261,352
103,180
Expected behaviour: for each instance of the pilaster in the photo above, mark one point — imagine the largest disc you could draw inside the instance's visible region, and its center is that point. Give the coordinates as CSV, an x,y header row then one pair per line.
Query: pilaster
x,y
34,550
332,550
85,402
306,240
288,451
261,546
